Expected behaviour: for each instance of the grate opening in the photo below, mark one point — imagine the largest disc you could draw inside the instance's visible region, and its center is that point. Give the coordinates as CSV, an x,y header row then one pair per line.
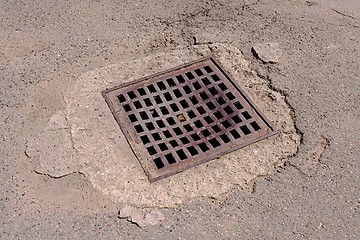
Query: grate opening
x,y
192,151
189,75
226,124
167,134
255,126
203,147
156,136
206,81
170,158
186,116
173,143
225,138
181,154
159,164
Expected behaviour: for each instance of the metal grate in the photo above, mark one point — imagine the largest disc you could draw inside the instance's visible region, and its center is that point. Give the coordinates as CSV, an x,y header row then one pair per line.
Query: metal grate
x,y
185,116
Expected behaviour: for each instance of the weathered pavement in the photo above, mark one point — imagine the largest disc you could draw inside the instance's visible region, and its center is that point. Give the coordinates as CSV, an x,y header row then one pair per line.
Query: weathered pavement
x,y
47,45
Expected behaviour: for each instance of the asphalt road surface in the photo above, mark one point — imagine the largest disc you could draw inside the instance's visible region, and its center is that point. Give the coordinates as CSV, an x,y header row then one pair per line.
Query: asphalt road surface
x,y
315,195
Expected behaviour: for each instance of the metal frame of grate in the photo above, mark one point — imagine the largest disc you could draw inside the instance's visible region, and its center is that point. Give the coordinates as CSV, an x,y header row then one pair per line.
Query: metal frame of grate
x,y
185,116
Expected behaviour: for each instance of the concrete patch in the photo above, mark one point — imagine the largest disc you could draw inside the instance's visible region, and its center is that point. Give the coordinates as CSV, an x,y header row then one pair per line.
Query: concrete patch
x,y
140,218
267,52
52,149
104,156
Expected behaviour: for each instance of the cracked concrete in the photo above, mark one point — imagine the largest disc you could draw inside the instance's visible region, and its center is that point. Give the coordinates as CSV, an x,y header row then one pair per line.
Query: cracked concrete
x,y
53,149
103,155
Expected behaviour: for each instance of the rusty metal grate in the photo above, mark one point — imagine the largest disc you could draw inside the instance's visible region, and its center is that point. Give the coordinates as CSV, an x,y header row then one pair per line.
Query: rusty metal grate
x,y
185,116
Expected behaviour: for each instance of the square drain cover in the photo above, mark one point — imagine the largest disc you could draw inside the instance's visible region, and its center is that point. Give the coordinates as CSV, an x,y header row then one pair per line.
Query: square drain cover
x,y
185,116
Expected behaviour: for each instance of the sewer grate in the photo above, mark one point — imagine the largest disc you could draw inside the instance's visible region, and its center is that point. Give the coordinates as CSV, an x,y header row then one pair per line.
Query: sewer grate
x,y
185,116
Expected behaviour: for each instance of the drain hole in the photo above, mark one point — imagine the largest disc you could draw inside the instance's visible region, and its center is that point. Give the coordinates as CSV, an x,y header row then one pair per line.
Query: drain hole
x,y
206,81
197,85
228,110
171,82
159,164
184,140
161,85
191,114
203,147
168,96
246,115
174,107
215,77
180,79
188,127
167,134
158,99
171,121
151,88
181,117
218,115
121,98
192,151
198,124
163,147
203,96
160,123
225,138
156,136
144,116
177,131
132,118
230,96
215,143
208,119
137,104
145,139
164,110
213,91
216,128
235,134
220,100
173,143
127,107
238,105
139,128
208,69
245,130
184,104
154,113
170,158
150,126
147,102
189,75
198,72
226,124
222,86
151,150
194,100
236,119
181,154
201,110
187,89
132,95
141,91
255,126
195,137
177,93
206,133
211,105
